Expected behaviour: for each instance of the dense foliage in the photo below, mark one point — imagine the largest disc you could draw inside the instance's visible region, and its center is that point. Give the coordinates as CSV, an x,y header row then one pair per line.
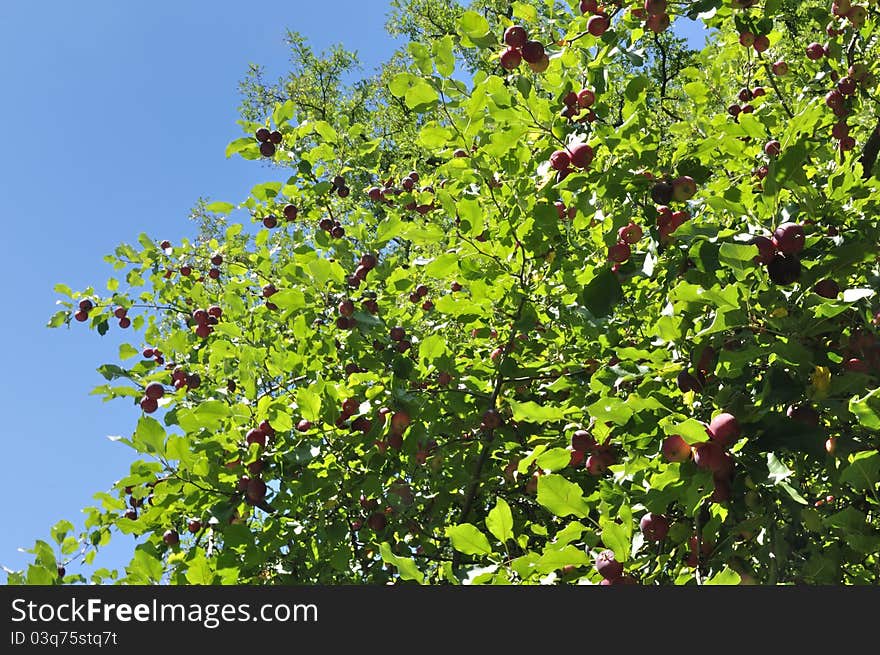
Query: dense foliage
x,y
565,302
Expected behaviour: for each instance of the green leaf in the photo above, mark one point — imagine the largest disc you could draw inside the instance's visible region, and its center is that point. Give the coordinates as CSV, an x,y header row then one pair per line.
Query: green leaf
x,y
467,538
238,145
561,497
431,348
863,472
127,351
499,521
309,404
211,413
58,319
290,299
725,576
421,95
867,409
283,112
473,25
220,207
532,412
59,530
554,459
554,559
601,294
691,430
616,537
406,566
778,470
434,137
199,571
149,436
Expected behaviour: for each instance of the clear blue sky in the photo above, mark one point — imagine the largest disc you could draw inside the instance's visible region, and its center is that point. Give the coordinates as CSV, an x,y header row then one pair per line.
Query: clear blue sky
x,y
115,117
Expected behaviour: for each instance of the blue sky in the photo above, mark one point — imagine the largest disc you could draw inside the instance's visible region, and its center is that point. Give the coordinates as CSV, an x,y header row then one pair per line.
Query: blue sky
x,y
116,116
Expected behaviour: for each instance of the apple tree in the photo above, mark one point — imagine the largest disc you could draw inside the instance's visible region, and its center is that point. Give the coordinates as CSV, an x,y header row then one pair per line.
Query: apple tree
x,y
552,298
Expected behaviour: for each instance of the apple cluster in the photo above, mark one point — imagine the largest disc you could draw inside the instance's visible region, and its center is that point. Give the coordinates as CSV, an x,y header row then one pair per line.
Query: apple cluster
x,y
204,320
419,295
385,193
576,103
663,193
268,140
520,48
600,457
152,393
85,306
780,253
367,263
654,15
611,570
839,101
121,313
745,96
724,430
688,381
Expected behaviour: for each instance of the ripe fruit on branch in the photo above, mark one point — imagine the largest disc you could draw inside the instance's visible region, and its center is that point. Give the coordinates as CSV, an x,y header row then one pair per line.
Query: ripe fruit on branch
x,y
630,233
510,58
658,23
772,148
256,491
377,521
747,39
515,36
154,391
687,382
724,429
149,405
815,51
803,414
675,449
598,25
827,288
766,250
789,238
607,566
619,252
655,527
533,52
581,155
582,441
256,436
560,160
784,269
662,193
585,98
709,456
599,461
399,422
171,538
491,419
761,43
683,188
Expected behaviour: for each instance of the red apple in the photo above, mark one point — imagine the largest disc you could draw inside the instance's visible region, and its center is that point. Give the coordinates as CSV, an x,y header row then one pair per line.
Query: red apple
x,y
789,238
510,58
515,36
607,566
724,429
675,449
655,527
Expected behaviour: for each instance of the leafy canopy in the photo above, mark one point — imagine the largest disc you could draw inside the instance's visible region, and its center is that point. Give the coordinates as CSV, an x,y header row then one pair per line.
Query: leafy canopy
x,y
445,342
